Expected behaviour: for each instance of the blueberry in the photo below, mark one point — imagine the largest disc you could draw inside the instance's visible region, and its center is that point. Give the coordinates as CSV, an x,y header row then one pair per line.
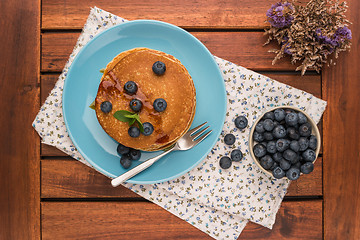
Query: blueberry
x,y
277,156
307,167
278,172
293,133
159,68
304,143
290,155
148,128
134,154
121,149
266,162
279,114
268,136
134,132
289,110
283,123
279,131
259,137
271,147
268,124
302,118
285,165
301,160
264,143
125,161
313,142
275,165
106,107
229,139
130,87
291,119
294,145
296,165
282,144
260,127
259,150
293,173
160,104
241,122
236,155
269,115
309,155
276,123
225,162
136,105
305,130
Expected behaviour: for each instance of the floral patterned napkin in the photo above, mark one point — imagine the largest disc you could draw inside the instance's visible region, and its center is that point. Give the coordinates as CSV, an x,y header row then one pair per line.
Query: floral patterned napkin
x,y
216,201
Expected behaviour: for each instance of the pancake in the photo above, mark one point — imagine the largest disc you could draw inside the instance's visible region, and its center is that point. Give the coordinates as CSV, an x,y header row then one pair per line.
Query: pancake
x,y
175,86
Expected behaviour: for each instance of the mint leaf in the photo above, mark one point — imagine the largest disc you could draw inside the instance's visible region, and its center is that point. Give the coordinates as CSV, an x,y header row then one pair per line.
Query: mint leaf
x,y
129,117
132,121
132,116
121,116
102,70
141,127
92,105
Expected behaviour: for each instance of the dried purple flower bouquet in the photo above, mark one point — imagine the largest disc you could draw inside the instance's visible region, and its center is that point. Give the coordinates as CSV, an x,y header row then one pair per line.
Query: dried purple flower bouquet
x,y
310,33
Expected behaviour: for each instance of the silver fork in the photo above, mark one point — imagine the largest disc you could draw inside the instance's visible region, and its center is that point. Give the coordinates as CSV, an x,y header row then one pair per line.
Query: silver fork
x,y
186,142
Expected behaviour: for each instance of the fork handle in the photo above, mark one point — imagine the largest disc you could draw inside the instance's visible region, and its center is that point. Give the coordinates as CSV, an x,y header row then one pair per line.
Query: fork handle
x,y
139,168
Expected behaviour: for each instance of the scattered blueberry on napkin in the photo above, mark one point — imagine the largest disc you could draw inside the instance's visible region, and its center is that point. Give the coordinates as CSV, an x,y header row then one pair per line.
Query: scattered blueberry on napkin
x,y
216,201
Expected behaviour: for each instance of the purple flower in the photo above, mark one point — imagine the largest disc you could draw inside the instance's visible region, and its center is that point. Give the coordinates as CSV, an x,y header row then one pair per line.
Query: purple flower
x,y
287,45
325,39
342,33
279,15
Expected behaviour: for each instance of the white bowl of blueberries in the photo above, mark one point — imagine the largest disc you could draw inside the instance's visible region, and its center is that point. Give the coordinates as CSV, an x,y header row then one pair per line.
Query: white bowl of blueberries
x,y
285,142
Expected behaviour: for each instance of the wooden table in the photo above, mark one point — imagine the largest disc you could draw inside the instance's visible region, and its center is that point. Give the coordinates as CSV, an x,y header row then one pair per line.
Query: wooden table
x,y
46,194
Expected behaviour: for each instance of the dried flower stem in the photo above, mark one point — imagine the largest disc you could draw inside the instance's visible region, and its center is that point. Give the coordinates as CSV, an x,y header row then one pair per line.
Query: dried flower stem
x,y
316,31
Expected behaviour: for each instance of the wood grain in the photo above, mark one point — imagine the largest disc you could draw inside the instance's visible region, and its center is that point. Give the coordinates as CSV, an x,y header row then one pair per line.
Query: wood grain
x,y
50,151
308,83
341,88
243,48
65,14
19,143
143,220
72,179
295,220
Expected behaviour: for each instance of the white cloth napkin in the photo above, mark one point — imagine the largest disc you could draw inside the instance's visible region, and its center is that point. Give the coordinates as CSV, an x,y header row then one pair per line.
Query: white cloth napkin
x,y
216,201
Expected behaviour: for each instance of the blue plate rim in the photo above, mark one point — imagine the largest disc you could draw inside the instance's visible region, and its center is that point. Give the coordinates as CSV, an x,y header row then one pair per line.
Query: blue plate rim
x,y
124,24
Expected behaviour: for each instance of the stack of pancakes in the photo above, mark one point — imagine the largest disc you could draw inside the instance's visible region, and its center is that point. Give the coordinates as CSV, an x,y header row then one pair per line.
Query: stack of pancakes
x,y
175,86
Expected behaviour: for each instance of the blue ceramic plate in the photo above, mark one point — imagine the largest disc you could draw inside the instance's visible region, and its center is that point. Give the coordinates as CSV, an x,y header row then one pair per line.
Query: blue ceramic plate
x,y
83,79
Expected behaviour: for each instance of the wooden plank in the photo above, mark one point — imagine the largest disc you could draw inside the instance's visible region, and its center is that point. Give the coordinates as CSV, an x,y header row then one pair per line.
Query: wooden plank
x,y
144,220
308,184
48,150
295,220
56,49
63,14
341,88
72,179
243,48
19,143
308,83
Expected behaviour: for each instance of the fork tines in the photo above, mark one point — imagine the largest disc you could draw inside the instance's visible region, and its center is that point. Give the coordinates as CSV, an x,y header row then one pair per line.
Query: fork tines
x,y
198,134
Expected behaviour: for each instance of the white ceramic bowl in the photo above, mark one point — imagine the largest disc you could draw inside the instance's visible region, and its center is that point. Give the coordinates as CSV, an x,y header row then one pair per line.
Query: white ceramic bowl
x,y
315,132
